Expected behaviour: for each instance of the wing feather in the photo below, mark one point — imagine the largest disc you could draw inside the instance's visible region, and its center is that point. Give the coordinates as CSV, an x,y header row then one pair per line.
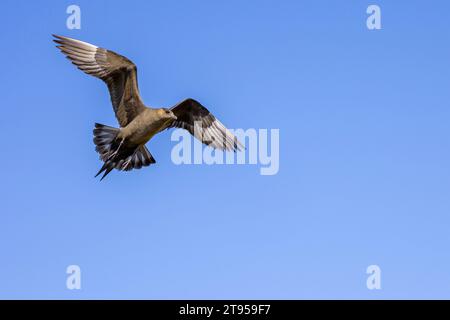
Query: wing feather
x,y
202,124
119,73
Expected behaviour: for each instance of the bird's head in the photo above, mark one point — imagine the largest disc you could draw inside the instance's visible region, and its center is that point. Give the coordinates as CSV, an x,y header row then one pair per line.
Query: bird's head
x,y
167,114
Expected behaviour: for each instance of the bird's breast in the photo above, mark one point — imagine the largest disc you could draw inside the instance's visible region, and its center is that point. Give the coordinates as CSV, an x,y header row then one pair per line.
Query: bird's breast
x,y
142,129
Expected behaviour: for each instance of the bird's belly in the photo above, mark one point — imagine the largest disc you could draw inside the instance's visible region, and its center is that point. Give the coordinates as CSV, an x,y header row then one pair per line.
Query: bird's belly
x,y
139,133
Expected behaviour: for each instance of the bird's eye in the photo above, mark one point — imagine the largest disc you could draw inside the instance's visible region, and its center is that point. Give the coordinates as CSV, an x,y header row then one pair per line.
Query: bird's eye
x,y
167,111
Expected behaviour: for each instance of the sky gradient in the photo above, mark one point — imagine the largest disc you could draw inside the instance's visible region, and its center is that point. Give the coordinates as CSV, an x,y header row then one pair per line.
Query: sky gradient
x,y
364,152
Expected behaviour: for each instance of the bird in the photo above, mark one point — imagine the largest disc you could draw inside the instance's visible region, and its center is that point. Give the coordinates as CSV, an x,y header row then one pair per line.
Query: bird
x,y
124,148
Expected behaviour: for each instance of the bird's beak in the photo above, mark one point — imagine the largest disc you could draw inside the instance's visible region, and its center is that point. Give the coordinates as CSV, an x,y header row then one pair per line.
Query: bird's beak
x,y
174,117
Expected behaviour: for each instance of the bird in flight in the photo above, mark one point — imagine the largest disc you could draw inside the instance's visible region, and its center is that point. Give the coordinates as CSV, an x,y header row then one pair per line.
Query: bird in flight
x,y
124,148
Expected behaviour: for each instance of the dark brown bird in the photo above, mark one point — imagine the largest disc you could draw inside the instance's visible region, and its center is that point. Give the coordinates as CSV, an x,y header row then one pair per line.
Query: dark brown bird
x,y
124,148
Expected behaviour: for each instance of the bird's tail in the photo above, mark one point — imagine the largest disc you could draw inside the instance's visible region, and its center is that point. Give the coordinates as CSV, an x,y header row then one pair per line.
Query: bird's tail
x,y
116,154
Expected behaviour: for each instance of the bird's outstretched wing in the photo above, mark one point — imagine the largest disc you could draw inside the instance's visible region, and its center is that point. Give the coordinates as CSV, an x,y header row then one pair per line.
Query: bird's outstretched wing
x,y
115,70
202,124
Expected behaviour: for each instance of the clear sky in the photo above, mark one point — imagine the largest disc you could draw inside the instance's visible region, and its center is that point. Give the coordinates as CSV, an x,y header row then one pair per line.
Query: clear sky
x,y
364,152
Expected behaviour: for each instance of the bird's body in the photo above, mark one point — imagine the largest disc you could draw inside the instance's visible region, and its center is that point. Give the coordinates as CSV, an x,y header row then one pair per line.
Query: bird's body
x,y
144,126
124,148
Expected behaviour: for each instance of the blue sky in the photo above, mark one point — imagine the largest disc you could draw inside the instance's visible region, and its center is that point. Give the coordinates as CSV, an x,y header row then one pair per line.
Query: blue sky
x,y
364,152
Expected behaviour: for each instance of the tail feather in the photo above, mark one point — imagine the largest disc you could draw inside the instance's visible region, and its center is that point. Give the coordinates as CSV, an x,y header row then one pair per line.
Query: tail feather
x,y
105,140
118,156
107,168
